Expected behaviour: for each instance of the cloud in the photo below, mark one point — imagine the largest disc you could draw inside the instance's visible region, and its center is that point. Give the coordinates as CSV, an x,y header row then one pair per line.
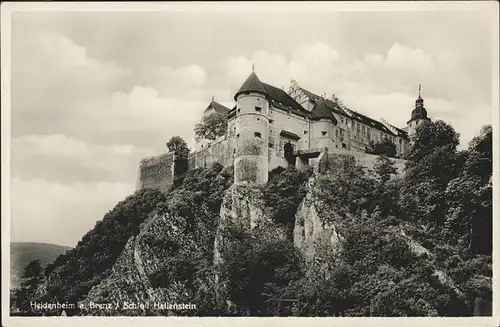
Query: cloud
x,y
88,103
73,94
402,57
61,145
58,158
50,212
187,76
378,85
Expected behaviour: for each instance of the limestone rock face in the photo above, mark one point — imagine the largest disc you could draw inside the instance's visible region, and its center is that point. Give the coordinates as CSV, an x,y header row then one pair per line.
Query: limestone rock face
x,y
312,230
243,207
130,278
242,203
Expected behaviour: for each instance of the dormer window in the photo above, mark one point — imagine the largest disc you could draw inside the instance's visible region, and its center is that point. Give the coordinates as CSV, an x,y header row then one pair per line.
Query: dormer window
x,y
258,109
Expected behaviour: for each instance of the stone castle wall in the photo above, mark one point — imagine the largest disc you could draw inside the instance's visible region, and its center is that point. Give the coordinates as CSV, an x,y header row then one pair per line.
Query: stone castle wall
x,y
156,172
221,151
360,158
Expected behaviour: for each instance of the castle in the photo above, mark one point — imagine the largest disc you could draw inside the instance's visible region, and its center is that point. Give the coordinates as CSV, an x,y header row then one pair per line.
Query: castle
x,y
269,127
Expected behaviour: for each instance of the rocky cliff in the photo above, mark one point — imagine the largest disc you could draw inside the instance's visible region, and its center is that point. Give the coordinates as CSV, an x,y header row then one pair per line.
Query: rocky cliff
x,y
224,248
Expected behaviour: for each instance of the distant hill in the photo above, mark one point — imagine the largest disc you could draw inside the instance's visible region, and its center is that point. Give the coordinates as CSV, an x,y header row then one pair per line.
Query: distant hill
x,y
22,253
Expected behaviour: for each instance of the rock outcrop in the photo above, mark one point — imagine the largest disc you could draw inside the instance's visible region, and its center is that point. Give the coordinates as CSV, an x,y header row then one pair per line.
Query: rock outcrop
x,y
311,229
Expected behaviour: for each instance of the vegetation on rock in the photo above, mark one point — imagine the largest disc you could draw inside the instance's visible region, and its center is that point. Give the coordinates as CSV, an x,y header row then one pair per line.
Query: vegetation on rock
x,y
412,245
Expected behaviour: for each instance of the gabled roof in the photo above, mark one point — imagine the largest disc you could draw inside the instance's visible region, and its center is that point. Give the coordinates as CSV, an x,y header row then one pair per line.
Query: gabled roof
x,y
400,132
321,110
349,113
219,108
282,100
252,84
370,122
332,105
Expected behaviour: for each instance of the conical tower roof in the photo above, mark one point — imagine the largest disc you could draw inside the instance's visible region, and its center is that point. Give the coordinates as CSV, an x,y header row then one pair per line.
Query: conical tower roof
x,y
321,110
252,84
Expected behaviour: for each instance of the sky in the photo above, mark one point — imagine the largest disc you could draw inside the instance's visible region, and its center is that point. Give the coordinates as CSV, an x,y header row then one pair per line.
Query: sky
x,y
92,93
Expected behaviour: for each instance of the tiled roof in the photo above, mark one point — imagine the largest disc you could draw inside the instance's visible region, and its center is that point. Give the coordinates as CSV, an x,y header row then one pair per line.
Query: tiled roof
x,y
252,84
400,132
280,99
350,113
321,110
219,108
332,105
370,122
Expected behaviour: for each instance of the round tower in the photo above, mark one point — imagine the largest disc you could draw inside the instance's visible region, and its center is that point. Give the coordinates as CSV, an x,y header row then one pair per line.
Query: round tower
x,y
418,115
252,126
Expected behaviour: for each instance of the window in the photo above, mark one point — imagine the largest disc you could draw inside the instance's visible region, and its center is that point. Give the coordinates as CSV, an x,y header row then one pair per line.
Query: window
x,y
202,146
234,150
323,133
271,145
271,121
239,110
258,119
257,134
344,146
305,132
238,135
258,109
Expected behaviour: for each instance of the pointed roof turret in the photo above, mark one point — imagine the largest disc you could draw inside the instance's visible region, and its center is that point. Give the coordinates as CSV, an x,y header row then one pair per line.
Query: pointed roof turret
x,y
419,112
219,108
252,84
321,110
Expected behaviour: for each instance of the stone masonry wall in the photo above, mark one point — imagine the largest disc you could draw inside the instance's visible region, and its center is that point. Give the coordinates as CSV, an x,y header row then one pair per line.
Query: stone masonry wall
x,y
363,159
221,151
156,172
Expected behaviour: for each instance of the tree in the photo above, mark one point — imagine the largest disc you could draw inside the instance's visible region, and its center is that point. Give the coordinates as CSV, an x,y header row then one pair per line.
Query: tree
x,y
384,168
432,164
386,193
211,127
179,146
259,269
469,216
30,280
383,147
